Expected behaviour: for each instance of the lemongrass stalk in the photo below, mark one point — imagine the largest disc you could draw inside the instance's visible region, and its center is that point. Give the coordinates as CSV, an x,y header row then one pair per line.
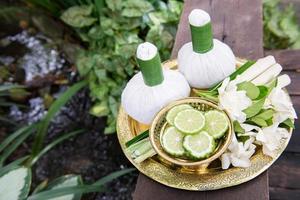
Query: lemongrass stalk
x,y
145,156
268,75
137,145
142,149
137,138
257,68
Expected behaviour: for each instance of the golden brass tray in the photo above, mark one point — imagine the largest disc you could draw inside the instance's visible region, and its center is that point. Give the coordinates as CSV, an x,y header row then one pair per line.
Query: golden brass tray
x,y
211,178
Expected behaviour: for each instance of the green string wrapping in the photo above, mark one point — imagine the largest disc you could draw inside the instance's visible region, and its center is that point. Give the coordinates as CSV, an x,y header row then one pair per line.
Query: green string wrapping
x,y
151,70
202,38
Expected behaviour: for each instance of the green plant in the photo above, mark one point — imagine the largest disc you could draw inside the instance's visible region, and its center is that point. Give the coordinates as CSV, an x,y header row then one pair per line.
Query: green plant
x,y
112,30
12,91
281,29
54,108
16,176
17,179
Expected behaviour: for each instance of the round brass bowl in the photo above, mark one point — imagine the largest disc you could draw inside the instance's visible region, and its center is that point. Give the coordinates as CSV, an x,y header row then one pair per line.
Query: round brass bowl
x,y
159,124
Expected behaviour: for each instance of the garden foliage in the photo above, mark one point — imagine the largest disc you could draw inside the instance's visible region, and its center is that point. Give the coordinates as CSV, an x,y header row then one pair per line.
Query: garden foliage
x,y
112,31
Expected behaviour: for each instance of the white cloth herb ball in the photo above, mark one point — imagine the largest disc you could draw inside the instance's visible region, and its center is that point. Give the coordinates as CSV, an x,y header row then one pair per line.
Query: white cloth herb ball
x,y
204,61
153,87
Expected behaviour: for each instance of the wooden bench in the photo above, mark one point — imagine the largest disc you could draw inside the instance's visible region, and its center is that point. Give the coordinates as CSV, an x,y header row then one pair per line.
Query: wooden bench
x,y
239,24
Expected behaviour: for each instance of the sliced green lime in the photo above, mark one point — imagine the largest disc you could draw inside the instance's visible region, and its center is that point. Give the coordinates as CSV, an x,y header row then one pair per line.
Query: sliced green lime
x,y
172,141
174,111
199,145
189,121
216,123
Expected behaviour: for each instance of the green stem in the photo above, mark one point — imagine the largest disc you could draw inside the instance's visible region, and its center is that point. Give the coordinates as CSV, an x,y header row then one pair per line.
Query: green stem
x,y
137,138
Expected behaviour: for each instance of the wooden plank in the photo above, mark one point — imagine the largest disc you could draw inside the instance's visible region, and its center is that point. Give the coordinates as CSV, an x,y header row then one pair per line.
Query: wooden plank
x,y
147,189
236,22
289,59
239,24
284,194
293,88
285,172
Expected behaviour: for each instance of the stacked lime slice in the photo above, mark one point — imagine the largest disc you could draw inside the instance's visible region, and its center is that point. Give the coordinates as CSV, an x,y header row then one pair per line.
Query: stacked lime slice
x,y
175,110
172,141
189,121
199,145
216,123
191,133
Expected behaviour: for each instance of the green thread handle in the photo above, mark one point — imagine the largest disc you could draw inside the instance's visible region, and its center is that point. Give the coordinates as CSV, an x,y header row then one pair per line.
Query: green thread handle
x,y
202,38
151,70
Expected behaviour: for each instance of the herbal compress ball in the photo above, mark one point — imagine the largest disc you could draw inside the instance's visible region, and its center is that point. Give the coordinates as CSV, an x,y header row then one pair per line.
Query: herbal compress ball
x,y
153,87
204,61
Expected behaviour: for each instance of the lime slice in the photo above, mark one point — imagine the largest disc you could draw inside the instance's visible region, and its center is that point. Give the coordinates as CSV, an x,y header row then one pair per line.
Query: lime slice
x,y
189,121
174,111
199,145
172,141
216,123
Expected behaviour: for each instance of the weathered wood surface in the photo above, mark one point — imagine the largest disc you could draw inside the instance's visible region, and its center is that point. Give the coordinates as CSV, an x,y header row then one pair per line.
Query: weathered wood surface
x,y
147,189
290,59
239,24
284,177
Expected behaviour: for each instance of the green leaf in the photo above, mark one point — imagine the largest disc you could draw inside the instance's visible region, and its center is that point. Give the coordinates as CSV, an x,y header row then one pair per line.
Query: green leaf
x,y
114,5
99,109
15,143
263,92
135,8
175,6
15,184
269,121
266,114
280,25
9,87
55,107
113,176
40,186
243,138
96,187
13,165
111,127
13,136
96,33
65,182
54,143
259,121
57,193
251,90
237,127
84,64
254,108
288,123
78,16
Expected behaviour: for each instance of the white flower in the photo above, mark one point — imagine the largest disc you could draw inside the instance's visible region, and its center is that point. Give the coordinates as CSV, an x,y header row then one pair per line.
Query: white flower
x,y
238,153
280,101
269,137
233,101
